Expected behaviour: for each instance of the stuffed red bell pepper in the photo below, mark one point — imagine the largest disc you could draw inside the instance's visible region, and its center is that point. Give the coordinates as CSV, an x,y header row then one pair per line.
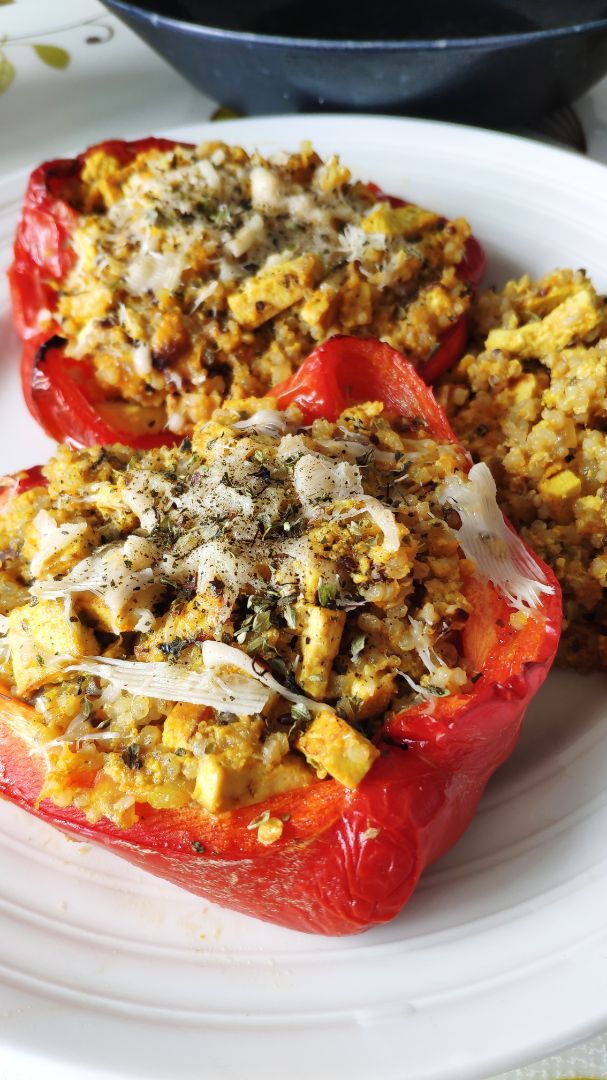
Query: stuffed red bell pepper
x,y
277,664
167,277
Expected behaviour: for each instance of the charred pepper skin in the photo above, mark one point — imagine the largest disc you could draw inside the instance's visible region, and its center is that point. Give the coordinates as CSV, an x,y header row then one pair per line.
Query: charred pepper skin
x,y
347,859
63,395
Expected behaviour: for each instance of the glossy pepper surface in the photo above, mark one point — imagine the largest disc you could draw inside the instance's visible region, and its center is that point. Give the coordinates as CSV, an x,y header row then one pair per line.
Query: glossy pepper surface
x,y
62,394
347,859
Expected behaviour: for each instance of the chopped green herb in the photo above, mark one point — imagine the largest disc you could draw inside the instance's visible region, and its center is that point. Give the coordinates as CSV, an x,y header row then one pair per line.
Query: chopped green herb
x,y
300,712
279,668
131,756
262,622
261,820
365,459
357,646
290,616
198,847
347,707
327,593
257,644
173,649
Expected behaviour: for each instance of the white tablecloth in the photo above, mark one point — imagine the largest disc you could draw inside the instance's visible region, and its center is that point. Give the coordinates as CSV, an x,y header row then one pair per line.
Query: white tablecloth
x,y
71,74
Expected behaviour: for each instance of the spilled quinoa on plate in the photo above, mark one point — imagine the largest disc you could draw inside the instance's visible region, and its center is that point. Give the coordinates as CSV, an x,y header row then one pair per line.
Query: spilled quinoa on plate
x,y
204,272
235,617
530,400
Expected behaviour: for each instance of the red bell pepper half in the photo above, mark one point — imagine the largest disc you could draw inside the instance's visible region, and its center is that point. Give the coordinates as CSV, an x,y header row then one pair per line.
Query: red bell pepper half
x,y
347,859
42,259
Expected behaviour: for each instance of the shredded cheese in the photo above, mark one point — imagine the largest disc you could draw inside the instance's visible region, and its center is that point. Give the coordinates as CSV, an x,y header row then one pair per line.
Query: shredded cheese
x,y
175,682
265,421
497,552
53,538
230,680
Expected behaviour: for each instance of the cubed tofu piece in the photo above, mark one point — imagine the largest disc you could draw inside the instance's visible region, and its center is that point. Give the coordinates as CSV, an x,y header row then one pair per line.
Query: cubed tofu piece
x,y
17,516
195,621
374,692
101,174
590,515
220,787
332,175
563,485
320,636
560,493
528,387
570,321
355,301
181,723
320,309
331,744
272,291
39,640
85,306
292,772
407,221
134,615
53,546
12,594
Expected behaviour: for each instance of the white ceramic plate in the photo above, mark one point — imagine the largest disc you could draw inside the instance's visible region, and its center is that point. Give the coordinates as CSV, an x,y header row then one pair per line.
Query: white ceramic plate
x,y
501,956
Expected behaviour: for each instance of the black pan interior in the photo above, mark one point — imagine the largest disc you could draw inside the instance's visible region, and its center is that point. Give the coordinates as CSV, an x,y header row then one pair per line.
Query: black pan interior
x,y
392,20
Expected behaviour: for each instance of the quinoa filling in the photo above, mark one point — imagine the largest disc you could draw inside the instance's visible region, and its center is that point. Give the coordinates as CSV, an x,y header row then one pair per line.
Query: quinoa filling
x,y
530,400
205,273
233,618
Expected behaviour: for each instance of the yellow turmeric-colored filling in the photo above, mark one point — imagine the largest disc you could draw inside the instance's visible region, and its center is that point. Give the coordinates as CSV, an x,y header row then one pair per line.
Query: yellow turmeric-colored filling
x,y
530,400
232,618
208,273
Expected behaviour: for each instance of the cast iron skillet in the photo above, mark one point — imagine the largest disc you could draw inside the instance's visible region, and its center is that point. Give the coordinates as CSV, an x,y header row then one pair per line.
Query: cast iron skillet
x,y
481,61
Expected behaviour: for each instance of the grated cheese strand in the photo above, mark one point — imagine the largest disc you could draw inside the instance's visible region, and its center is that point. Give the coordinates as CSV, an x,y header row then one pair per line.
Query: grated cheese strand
x,y
215,654
423,647
499,555
175,682
265,421
230,680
